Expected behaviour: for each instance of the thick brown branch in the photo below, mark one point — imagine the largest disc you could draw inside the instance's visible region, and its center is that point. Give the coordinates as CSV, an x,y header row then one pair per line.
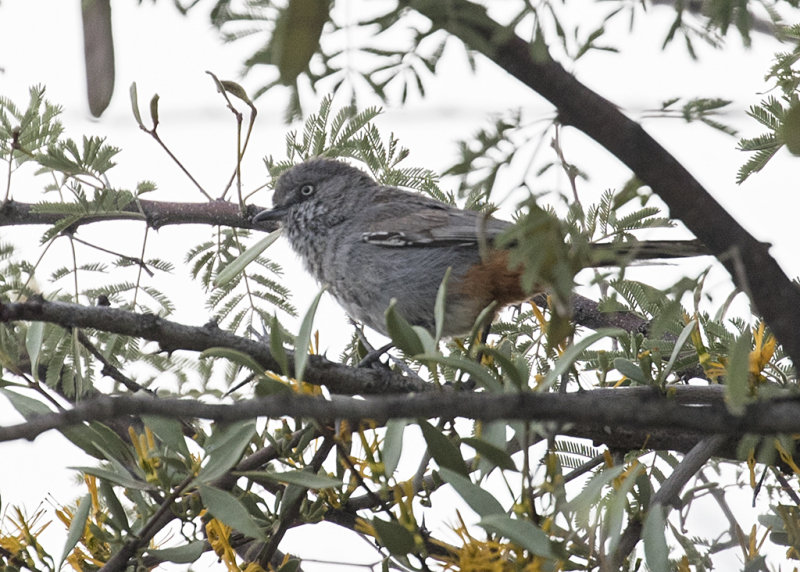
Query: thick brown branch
x,y
748,260
638,407
172,336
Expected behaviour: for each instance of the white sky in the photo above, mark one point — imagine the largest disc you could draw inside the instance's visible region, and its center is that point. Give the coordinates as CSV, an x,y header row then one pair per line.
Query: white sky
x,y
40,42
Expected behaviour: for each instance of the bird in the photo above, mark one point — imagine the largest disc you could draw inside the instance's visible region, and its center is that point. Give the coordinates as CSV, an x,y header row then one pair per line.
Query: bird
x,y
373,245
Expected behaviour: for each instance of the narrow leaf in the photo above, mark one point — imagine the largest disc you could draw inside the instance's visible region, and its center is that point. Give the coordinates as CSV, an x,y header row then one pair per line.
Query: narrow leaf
x,y
629,370
438,307
303,339
240,262
123,480
476,497
737,381
401,332
301,478
656,552
392,445
394,536
185,554
573,352
225,448
476,371
676,351
520,532
115,509
276,345
237,357
590,495
488,452
230,510
33,343
170,431
443,451
77,526
135,105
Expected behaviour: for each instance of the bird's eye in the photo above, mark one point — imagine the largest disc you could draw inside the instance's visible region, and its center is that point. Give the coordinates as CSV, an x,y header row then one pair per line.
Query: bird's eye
x,y
307,190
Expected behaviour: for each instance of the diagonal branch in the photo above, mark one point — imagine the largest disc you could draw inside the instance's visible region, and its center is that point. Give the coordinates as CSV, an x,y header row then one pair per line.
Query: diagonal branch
x,y
746,259
666,496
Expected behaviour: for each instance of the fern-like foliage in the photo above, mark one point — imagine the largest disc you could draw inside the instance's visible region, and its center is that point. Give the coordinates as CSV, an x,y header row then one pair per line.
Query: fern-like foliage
x,y
24,133
244,302
347,133
769,113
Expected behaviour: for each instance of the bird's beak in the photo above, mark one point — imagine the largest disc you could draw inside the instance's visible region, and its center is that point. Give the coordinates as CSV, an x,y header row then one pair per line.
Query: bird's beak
x,y
268,215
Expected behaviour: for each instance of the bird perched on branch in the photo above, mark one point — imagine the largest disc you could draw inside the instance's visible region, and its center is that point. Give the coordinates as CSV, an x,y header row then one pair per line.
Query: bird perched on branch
x,y
371,244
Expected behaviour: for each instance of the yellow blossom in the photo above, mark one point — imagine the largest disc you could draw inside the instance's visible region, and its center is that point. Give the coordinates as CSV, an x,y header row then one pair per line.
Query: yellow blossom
x,y
219,538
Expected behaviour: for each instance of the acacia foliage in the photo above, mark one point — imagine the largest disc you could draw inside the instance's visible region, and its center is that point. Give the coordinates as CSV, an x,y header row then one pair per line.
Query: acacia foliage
x,y
543,499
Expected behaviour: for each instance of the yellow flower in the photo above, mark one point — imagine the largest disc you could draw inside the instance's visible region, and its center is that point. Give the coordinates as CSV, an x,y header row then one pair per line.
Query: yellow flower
x,y
219,539
489,555
763,350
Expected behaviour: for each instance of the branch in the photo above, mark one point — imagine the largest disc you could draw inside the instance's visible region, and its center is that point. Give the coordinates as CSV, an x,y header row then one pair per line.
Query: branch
x,y
172,336
746,259
666,496
638,407
156,213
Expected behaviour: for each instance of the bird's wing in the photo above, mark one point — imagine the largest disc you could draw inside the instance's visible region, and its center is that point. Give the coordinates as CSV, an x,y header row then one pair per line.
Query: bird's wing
x,y
425,222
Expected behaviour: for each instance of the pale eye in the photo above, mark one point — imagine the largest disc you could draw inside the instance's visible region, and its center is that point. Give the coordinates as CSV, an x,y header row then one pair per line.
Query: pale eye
x,y
307,190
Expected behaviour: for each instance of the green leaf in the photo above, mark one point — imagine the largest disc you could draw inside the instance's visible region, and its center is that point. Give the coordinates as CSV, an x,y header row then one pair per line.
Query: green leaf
x,y
170,431
225,447
25,406
116,511
184,554
33,343
737,380
135,105
76,527
292,495
438,307
520,532
240,262
573,352
676,351
518,372
121,479
394,536
292,565
276,345
590,495
477,372
790,129
228,509
476,497
402,334
154,109
497,457
442,449
392,445
235,356
493,433
617,508
656,551
630,370
301,477
303,339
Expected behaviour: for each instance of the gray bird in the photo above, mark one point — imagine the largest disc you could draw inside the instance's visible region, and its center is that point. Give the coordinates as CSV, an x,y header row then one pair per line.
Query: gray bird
x,y
371,243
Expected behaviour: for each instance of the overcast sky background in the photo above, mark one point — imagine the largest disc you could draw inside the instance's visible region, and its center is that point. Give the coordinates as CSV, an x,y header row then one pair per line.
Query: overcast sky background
x,y
163,52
